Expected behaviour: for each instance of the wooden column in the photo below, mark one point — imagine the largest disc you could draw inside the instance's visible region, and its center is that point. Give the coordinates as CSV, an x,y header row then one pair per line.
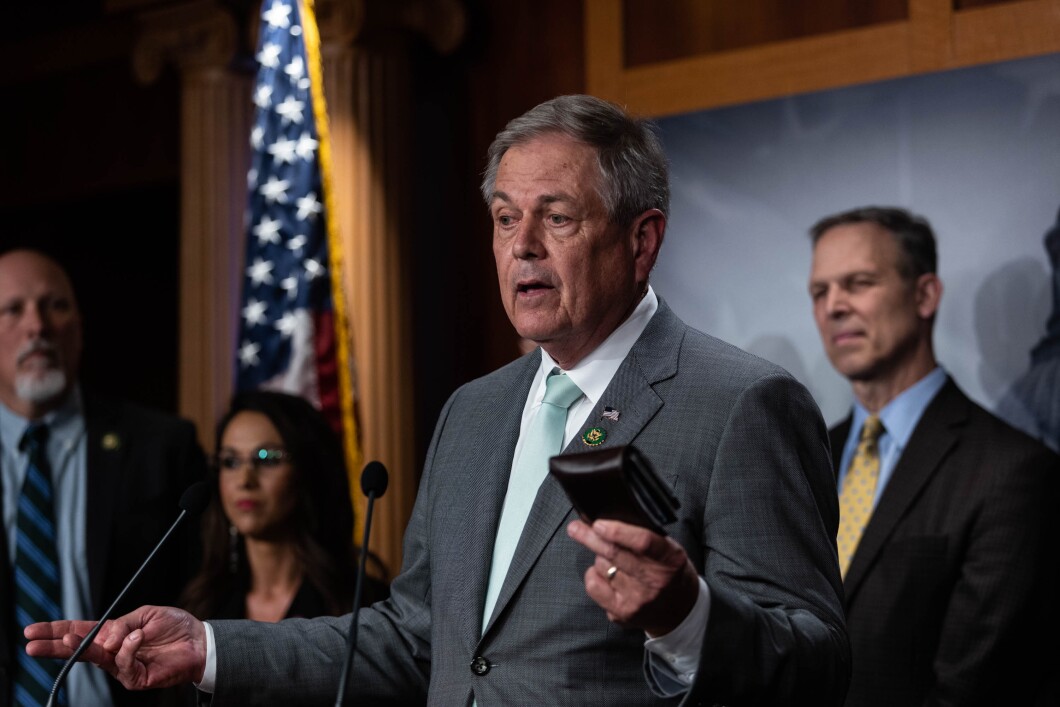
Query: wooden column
x,y
200,40
367,89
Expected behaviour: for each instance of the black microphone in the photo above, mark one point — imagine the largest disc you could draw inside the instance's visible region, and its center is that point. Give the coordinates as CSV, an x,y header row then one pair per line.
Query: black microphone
x,y
374,481
192,503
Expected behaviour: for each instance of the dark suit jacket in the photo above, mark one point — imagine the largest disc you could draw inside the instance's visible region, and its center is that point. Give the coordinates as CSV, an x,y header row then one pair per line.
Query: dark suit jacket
x,y
139,463
950,593
745,449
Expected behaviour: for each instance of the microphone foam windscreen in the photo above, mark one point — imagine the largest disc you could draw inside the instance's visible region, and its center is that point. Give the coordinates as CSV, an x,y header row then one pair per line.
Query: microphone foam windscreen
x,y
374,479
195,498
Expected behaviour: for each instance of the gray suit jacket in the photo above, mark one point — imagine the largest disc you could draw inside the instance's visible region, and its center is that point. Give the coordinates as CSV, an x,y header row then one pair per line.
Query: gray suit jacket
x,y
746,451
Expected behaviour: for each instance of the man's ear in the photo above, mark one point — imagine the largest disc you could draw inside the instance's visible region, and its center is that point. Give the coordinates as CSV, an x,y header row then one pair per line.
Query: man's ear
x,y
928,295
647,233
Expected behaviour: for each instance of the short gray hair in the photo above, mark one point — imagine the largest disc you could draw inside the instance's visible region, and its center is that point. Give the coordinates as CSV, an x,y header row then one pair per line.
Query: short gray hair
x,y
633,166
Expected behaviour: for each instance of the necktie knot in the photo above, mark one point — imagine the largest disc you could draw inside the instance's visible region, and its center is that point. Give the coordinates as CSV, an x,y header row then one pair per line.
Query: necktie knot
x,y
34,438
560,390
871,431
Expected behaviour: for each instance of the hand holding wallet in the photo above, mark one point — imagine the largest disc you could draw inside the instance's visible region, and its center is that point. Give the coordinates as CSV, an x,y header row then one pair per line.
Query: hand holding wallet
x,y
616,483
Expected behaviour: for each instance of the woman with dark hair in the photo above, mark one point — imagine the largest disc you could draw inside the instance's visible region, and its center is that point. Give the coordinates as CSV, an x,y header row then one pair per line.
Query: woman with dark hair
x,y
278,534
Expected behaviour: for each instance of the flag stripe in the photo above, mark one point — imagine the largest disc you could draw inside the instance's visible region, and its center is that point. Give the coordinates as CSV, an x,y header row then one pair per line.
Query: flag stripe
x,y
343,360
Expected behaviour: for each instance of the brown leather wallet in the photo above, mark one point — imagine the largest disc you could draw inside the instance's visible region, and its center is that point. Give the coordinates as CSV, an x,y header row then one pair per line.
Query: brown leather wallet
x,y
616,483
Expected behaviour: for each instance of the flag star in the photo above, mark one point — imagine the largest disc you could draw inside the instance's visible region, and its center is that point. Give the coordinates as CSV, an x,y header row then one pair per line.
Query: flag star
x,y
252,177
275,190
306,146
286,324
277,15
257,136
262,99
313,269
297,243
283,150
296,69
254,312
260,272
290,110
269,56
267,231
248,353
295,30
308,207
290,285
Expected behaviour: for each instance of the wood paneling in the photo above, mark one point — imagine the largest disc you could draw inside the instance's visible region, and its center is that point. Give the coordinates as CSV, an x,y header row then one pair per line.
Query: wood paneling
x,y
932,37
678,29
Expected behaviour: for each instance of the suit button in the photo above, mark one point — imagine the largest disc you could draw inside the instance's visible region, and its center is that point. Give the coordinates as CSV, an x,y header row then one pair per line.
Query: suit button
x,y
480,666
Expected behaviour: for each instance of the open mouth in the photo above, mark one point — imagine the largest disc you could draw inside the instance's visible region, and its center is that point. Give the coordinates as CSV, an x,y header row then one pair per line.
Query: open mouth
x,y
525,288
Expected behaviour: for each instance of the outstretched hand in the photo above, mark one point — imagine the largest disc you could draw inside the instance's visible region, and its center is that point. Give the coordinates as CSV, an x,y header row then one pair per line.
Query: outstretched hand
x,y
641,579
153,646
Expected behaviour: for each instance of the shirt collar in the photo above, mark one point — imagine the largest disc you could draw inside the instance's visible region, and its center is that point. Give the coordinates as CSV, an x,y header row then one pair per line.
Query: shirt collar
x,y
901,415
65,423
594,372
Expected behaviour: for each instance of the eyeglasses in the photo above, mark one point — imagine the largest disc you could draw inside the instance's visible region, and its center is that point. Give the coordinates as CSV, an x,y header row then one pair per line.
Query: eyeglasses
x,y
262,460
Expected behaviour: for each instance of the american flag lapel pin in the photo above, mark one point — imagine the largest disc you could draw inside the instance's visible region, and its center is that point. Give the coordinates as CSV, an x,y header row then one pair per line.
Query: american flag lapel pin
x,y
610,414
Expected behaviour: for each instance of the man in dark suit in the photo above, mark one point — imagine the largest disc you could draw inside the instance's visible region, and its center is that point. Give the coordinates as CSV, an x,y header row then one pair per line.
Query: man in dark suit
x,y
504,598
115,471
947,533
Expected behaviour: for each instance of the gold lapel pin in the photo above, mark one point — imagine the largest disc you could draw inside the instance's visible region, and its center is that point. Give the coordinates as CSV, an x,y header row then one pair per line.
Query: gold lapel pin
x,y
111,441
594,437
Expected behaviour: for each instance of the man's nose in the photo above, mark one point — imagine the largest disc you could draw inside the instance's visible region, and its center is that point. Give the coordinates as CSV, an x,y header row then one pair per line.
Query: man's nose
x,y
35,319
835,302
528,243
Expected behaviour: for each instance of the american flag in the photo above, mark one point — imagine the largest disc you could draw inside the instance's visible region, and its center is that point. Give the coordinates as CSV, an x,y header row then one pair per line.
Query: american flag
x,y
293,333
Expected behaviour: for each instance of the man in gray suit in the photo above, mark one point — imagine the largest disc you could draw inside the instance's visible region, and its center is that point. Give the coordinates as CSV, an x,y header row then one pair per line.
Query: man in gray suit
x,y
740,604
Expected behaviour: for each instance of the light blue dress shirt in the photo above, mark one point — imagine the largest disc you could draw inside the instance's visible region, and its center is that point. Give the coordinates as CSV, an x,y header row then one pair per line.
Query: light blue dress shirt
x,y
900,418
67,453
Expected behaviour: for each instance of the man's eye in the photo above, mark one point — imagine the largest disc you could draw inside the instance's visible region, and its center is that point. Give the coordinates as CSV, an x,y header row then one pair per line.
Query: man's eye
x,y
557,219
60,305
505,220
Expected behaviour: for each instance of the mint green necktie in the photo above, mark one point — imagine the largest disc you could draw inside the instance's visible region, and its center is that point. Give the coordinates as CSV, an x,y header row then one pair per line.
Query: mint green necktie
x,y
543,439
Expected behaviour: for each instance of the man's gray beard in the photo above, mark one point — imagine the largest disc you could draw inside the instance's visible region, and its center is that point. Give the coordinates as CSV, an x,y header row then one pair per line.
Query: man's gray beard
x,y
40,388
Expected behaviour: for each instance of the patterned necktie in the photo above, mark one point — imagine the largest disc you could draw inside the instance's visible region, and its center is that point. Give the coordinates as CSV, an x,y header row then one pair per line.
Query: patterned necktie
x,y
37,588
859,490
543,439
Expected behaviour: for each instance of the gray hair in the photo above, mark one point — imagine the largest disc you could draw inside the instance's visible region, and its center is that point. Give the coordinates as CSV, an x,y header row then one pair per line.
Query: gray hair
x,y
633,165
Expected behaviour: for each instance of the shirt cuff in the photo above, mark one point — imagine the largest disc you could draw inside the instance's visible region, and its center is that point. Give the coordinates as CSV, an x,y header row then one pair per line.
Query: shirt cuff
x,y
680,649
209,676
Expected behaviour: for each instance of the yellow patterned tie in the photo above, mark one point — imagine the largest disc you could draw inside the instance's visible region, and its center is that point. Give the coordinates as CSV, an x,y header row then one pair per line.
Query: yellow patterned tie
x,y
859,488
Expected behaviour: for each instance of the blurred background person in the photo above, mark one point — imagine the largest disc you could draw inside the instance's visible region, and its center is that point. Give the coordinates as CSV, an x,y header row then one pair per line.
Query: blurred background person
x,y
947,542
89,485
278,534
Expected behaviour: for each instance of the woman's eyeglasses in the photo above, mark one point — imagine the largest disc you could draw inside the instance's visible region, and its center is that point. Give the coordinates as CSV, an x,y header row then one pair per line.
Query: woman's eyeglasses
x,y
261,460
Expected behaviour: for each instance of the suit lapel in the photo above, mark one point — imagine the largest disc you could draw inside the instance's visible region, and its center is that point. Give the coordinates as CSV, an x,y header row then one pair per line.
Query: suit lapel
x,y
934,436
652,359
838,439
489,467
105,450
